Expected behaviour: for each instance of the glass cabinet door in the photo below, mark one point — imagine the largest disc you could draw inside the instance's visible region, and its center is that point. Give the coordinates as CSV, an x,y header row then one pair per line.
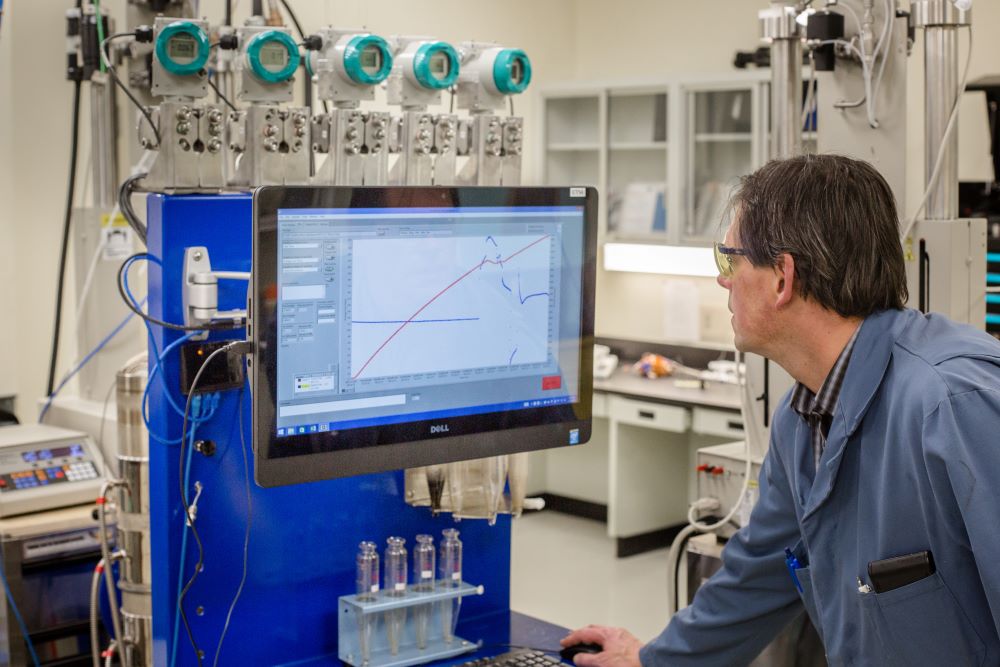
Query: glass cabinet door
x,y
721,148
573,140
637,164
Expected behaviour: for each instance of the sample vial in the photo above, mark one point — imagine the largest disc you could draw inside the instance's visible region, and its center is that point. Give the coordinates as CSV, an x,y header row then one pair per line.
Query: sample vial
x,y
367,571
423,563
395,585
395,566
450,563
451,558
423,580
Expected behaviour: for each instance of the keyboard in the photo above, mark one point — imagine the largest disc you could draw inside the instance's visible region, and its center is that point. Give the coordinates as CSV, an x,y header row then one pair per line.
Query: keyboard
x,y
521,657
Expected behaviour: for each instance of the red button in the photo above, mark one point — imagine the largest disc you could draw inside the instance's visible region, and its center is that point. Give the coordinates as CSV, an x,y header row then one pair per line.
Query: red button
x,y
702,468
551,382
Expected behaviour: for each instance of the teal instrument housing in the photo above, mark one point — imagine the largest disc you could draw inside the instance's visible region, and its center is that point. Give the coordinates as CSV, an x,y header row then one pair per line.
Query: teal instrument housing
x,y
308,61
503,71
422,65
259,41
352,60
201,42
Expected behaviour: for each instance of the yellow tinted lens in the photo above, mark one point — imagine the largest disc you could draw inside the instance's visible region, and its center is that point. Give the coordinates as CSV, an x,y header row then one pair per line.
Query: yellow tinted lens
x,y
722,262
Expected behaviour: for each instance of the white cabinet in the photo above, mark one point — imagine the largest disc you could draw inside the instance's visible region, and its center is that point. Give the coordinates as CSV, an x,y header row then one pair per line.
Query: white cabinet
x,y
660,153
665,155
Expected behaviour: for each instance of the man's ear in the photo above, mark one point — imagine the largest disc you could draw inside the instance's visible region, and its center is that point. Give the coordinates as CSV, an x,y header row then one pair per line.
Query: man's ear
x,y
784,274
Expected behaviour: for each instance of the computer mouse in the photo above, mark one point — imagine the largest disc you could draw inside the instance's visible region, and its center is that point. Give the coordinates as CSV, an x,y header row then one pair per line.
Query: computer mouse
x,y
568,652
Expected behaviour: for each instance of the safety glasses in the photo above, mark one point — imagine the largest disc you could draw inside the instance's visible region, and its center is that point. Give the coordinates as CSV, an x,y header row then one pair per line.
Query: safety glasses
x,y
724,259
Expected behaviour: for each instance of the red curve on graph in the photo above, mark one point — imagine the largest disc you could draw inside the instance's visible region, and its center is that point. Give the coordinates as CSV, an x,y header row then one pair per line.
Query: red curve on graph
x,y
435,297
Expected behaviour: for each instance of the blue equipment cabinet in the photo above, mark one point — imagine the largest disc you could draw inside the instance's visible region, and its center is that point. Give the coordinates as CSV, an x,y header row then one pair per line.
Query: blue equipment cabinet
x,y
303,538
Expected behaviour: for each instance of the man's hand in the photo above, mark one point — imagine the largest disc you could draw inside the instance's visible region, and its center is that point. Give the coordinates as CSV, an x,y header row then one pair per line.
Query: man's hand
x,y
621,647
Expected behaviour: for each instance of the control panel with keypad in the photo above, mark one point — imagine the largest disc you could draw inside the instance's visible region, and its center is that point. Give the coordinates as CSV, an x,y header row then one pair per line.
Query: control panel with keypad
x,y
44,467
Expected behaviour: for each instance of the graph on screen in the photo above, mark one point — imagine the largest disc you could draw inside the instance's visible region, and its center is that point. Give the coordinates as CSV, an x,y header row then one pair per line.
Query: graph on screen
x,y
441,305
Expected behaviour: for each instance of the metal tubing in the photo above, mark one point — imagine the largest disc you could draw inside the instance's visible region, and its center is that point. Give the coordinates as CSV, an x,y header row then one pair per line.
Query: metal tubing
x,y
106,555
135,580
104,142
786,98
940,87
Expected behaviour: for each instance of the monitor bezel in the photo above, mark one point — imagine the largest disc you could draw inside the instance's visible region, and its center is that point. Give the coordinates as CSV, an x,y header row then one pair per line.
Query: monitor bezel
x,y
409,444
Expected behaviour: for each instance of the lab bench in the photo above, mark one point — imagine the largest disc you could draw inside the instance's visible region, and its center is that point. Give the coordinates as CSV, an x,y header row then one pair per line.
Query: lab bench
x,y
637,473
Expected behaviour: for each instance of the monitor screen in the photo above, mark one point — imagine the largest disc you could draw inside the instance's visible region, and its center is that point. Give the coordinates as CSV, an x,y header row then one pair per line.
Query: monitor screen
x,y
405,326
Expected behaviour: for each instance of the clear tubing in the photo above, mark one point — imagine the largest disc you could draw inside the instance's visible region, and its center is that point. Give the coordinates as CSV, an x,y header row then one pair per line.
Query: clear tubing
x,y
450,564
395,585
494,480
456,487
423,580
517,475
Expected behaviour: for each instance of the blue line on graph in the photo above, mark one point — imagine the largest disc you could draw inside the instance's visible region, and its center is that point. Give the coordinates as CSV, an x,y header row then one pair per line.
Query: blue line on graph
x,y
492,240
481,263
504,283
500,260
453,319
525,298
511,359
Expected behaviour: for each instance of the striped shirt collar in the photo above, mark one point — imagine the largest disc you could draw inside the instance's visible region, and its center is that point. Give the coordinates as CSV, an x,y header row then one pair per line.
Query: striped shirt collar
x,y
823,403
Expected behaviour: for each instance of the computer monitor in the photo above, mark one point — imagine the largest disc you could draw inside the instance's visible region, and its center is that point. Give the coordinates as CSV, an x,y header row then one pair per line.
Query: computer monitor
x,y
402,326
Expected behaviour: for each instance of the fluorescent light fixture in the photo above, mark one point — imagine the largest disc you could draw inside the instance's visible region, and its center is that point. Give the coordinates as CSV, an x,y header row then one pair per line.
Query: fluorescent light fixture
x,y
663,259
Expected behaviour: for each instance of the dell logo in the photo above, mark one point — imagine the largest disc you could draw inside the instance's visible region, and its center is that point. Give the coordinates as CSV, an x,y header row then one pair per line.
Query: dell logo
x,y
439,428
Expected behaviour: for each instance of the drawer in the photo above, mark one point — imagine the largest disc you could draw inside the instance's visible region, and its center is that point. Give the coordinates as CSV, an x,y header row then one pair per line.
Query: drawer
x,y
600,404
719,423
650,415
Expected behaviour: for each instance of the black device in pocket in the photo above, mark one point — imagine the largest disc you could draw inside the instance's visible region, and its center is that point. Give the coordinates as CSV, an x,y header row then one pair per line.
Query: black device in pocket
x,y
892,573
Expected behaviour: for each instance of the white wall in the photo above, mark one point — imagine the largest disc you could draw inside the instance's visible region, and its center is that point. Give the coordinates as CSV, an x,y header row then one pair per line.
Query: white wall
x,y
8,314
650,38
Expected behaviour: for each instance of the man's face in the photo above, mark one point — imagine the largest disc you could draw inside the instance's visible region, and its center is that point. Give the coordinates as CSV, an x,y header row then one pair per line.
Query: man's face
x,y
750,300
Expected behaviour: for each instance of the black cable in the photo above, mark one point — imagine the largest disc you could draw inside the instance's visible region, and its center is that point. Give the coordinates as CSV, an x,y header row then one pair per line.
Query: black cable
x,y
105,46
184,501
214,326
677,571
229,13
510,99
219,93
125,206
64,248
302,35
246,535
257,8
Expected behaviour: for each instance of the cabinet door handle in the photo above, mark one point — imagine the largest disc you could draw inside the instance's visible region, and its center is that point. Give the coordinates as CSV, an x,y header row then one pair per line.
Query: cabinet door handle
x,y
736,426
646,414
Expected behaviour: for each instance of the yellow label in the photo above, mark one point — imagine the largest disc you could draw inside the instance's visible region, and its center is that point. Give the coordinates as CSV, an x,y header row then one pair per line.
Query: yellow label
x,y
119,220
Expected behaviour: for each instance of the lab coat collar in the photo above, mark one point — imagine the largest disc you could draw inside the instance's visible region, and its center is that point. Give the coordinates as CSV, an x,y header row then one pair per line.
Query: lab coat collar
x,y
869,361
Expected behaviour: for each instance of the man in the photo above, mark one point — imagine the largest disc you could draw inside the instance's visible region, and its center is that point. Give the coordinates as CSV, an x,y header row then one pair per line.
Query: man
x,y
889,446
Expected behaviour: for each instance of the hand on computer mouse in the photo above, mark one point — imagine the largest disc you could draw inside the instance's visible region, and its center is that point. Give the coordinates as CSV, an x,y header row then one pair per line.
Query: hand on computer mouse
x,y
620,647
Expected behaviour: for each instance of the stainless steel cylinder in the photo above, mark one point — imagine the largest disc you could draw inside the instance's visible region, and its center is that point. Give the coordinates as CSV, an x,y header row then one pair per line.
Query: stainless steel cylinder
x,y
779,28
104,141
133,516
786,98
940,88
